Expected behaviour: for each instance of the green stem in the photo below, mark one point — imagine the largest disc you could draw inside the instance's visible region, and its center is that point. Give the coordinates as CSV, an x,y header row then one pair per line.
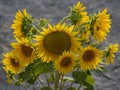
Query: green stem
x,y
25,86
47,80
71,83
61,84
56,82
65,18
40,82
79,87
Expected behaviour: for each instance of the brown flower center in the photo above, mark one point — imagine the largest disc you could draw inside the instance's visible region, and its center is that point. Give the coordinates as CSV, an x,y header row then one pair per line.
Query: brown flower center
x,y
26,50
57,42
14,62
66,62
89,55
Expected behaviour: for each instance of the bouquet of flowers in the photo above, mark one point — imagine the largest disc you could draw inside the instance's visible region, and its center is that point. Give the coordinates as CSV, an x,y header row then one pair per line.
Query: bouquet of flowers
x,y
64,53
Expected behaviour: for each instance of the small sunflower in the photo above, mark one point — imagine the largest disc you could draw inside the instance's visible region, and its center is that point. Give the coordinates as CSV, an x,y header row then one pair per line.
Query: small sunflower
x,y
90,58
12,63
85,33
22,24
54,40
112,49
65,63
101,25
85,36
24,50
79,16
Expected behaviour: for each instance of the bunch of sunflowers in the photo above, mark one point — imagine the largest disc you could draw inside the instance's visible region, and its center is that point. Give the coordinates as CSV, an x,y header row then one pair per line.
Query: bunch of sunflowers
x,y
64,53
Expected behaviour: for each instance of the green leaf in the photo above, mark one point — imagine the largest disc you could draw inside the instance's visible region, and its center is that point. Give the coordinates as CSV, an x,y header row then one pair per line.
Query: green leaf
x,y
34,69
79,77
88,86
45,88
90,80
71,88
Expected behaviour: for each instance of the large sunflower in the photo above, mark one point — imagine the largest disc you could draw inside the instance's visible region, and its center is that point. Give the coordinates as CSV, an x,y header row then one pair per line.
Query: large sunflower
x,y
22,24
112,49
12,63
24,50
101,25
79,16
65,63
90,58
54,40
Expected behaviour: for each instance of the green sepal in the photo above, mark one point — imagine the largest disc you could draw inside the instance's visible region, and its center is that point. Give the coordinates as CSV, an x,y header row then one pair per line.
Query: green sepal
x,y
75,17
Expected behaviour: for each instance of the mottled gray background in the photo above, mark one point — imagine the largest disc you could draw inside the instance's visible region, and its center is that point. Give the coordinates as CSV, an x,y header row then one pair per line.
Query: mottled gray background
x,y
56,10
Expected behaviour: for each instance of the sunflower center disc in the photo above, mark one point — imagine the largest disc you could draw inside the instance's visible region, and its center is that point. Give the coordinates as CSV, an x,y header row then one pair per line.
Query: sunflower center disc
x,y
57,42
26,50
14,62
65,62
88,55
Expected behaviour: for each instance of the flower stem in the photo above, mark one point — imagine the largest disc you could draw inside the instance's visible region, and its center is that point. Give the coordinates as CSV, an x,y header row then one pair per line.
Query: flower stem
x,y
62,83
47,80
25,86
40,82
56,82
65,18
80,85
71,83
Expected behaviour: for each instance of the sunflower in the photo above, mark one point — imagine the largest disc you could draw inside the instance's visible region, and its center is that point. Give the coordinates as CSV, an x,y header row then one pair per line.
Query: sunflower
x,y
54,40
90,58
112,49
101,25
78,15
22,24
85,33
65,63
12,63
24,50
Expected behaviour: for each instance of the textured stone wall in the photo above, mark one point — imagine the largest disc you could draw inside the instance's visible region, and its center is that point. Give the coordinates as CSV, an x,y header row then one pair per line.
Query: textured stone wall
x,y
56,10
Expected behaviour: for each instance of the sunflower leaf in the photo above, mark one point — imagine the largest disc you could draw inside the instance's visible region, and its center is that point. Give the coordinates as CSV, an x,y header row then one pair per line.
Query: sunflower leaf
x,y
90,80
79,77
33,70
88,86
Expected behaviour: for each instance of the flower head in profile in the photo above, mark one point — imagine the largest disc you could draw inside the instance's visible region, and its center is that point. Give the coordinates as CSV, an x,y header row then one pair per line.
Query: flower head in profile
x,y
22,24
12,63
24,50
78,15
56,39
90,57
100,25
65,63
111,50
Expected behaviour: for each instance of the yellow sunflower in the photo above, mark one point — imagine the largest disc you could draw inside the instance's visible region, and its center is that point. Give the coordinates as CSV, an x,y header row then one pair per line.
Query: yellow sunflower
x,y
101,25
22,24
90,57
85,34
54,40
12,63
24,50
65,63
112,49
79,16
